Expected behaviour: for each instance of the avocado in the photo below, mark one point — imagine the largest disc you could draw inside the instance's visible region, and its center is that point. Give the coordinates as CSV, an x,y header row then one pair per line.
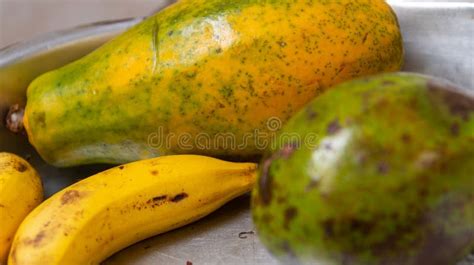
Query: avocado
x,y
378,170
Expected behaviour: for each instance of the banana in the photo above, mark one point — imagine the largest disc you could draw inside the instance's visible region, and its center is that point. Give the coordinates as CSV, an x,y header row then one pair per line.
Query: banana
x,y
20,192
96,217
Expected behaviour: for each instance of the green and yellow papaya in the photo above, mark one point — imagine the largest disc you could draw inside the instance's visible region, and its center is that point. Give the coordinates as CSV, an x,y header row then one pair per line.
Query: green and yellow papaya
x,y
202,68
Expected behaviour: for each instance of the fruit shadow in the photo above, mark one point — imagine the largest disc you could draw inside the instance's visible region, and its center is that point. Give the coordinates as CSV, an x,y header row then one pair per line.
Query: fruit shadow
x,y
229,227
54,179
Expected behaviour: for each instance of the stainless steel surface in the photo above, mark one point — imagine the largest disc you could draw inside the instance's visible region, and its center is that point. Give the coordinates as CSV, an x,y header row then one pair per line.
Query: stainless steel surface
x,y
439,40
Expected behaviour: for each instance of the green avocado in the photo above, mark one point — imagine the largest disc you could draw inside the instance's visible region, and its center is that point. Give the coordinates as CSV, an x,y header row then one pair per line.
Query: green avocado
x,y
375,171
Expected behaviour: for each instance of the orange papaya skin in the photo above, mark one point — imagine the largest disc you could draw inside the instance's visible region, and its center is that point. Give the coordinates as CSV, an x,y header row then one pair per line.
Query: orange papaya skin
x,y
204,68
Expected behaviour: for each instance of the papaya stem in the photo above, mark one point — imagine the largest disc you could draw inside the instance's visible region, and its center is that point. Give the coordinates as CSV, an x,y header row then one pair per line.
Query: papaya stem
x,y
14,119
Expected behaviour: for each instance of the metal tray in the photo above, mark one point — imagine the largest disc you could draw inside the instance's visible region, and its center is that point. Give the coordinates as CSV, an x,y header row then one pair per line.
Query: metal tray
x,y
439,40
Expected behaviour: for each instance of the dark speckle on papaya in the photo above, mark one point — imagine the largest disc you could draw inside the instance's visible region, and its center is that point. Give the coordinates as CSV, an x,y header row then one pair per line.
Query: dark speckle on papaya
x,y
364,39
70,196
265,182
362,226
227,92
334,127
179,197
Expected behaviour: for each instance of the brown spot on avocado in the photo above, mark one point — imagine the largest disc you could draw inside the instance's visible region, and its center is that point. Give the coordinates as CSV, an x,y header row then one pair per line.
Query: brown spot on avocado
x,y
406,138
388,83
328,226
312,185
179,197
383,168
267,218
423,192
334,127
281,200
311,113
290,214
455,129
70,196
459,103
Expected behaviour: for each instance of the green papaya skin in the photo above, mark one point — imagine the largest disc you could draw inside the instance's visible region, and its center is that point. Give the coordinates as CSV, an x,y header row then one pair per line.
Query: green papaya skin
x,y
388,180
205,68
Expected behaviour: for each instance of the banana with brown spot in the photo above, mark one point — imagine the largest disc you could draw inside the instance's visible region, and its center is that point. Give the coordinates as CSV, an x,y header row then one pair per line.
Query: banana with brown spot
x,y
20,192
96,217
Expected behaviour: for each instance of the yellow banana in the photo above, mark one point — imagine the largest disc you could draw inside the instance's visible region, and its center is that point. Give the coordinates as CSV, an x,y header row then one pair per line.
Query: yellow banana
x,y
20,192
94,218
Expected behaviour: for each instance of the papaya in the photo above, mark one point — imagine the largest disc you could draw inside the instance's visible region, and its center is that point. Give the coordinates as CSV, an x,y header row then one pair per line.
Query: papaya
x,y
378,171
200,70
